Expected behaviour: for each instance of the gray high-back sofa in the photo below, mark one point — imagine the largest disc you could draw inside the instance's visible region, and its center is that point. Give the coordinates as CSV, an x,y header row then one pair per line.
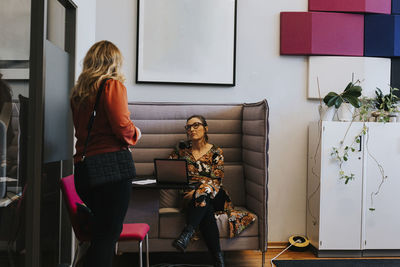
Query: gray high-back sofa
x,y
241,130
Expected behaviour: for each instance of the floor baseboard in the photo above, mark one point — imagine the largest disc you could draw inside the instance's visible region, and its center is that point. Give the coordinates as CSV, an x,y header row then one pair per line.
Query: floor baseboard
x,y
277,244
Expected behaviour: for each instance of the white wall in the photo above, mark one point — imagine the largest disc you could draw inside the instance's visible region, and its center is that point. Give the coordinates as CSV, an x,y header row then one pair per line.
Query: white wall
x,y
85,37
260,73
85,30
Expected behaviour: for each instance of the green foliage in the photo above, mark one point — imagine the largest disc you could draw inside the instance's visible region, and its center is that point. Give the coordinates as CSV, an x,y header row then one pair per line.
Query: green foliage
x,y
342,159
343,156
351,95
384,106
386,102
367,104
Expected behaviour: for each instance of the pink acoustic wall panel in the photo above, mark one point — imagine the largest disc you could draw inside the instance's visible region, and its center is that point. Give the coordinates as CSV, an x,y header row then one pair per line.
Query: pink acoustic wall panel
x,y
360,6
322,33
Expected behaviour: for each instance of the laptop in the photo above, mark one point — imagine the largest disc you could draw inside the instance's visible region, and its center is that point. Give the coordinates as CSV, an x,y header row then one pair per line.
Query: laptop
x,y
171,171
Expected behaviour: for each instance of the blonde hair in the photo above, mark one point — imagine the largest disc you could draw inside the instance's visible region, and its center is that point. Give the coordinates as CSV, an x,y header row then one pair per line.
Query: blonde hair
x,y
103,60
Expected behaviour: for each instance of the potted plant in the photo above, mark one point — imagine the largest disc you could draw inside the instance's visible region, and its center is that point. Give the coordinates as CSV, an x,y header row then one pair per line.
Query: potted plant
x,y
386,105
383,105
346,101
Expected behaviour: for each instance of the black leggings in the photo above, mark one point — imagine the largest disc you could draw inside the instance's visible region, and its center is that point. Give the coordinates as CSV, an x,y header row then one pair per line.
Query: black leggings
x,y
109,204
204,218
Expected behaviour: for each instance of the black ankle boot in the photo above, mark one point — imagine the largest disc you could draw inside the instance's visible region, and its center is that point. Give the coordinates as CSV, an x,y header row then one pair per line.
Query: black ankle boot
x,y
182,241
219,259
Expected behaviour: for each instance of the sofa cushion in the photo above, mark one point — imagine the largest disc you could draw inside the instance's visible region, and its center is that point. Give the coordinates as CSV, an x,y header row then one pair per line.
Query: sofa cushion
x,y
170,216
170,198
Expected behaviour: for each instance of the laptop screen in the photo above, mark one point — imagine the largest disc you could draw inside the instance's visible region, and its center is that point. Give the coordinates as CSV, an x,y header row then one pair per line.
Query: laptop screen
x,y
171,171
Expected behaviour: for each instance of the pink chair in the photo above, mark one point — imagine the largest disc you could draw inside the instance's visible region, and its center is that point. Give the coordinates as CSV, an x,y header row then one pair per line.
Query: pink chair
x,y
80,222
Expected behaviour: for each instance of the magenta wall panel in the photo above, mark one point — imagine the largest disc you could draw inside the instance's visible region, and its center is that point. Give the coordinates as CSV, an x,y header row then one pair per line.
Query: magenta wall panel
x,y
322,33
361,6
295,33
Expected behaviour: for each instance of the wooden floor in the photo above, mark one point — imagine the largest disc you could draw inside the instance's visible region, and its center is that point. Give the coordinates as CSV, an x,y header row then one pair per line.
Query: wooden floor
x,y
248,258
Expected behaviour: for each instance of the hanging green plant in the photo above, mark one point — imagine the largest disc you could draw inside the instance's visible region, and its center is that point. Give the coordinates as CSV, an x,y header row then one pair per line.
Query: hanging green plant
x,y
341,158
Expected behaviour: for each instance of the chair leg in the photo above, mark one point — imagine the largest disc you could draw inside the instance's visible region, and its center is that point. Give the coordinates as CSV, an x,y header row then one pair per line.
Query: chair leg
x,y
147,251
140,254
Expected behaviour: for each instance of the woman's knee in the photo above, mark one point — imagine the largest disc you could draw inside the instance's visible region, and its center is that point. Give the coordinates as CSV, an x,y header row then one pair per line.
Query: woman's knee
x,y
202,201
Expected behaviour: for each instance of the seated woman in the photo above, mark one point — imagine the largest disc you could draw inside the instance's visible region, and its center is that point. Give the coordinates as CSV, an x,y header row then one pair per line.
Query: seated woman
x,y
206,167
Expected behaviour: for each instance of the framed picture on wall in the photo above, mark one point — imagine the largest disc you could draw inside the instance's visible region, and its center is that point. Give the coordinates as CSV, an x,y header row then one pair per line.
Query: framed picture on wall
x,y
15,39
186,42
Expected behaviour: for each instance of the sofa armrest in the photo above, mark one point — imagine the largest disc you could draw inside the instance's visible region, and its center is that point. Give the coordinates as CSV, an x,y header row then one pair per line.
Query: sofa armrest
x,y
255,162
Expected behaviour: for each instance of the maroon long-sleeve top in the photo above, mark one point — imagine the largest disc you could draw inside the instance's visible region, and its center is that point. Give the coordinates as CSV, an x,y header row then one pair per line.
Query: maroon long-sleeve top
x,y
112,130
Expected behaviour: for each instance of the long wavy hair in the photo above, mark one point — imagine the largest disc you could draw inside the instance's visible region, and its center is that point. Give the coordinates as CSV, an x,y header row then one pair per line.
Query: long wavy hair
x,y
103,60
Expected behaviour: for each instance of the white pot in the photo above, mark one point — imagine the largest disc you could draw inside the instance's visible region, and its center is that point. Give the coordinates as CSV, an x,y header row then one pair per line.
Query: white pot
x,y
393,117
345,112
327,113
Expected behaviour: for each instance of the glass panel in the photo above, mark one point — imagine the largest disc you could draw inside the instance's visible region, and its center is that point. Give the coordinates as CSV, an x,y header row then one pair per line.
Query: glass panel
x,y
14,72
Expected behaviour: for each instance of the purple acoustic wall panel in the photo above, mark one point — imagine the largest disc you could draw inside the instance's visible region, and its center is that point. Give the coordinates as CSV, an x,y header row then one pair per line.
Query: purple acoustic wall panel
x,y
359,6
382,35
395,6
322,33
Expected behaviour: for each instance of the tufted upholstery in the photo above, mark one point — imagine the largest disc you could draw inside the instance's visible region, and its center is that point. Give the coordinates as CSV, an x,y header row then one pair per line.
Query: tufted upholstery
x,y
241,130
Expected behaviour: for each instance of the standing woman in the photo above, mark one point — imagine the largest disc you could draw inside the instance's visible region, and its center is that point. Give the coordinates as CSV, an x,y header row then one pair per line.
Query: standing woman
x,y
112,131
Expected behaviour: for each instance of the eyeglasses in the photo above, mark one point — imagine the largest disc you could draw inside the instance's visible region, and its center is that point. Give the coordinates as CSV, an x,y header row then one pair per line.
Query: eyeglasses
x,y
194,125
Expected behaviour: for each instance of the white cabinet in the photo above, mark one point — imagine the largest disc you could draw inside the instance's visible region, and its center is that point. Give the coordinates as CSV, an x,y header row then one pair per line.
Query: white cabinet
x,y
382,226
338,214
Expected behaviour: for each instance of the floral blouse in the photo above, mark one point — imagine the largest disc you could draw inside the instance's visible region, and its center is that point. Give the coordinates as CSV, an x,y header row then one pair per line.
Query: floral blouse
x,y
208,171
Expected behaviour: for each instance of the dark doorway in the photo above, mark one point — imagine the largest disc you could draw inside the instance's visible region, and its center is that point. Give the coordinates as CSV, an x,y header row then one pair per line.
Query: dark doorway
x,y
49,138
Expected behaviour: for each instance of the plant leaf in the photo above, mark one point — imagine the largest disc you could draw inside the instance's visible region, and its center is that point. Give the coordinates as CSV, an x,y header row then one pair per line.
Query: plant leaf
x,y
338,102
328,98
354,91
354,101
350,85
378,92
